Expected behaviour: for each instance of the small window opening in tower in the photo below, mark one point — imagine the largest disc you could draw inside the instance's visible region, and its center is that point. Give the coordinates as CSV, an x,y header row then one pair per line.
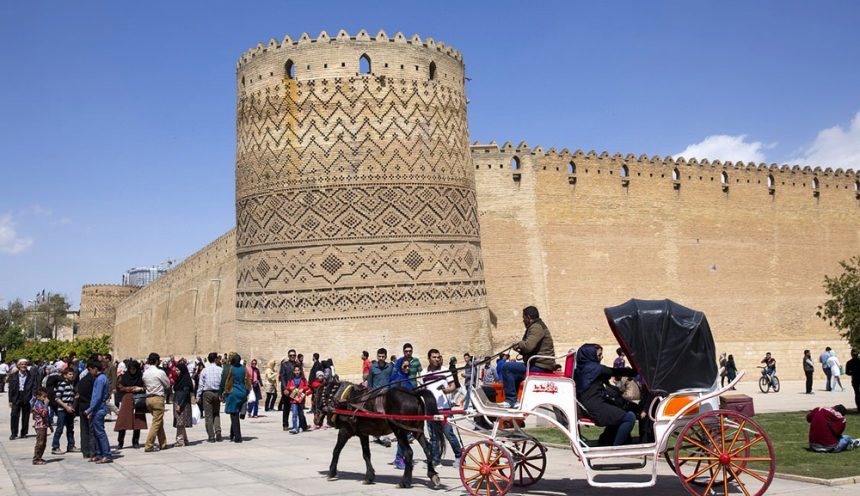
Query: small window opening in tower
x,y
515,163
676,174
364,64
432,70
770,181
815,183
724,178
625,172
290,70
857,186
243,81
571,167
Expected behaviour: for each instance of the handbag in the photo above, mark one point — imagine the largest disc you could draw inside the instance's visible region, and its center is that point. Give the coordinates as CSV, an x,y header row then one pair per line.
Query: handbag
x,y
195,414
251,396
139,403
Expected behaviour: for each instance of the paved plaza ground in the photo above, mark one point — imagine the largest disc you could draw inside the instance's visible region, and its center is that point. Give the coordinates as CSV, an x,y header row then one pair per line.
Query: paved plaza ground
x,y
272,461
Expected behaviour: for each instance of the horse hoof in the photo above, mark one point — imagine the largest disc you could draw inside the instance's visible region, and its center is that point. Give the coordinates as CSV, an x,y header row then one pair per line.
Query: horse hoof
x,y
436,482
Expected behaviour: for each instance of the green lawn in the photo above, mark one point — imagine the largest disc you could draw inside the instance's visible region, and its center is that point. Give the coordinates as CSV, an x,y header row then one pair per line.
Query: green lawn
x,y
788,434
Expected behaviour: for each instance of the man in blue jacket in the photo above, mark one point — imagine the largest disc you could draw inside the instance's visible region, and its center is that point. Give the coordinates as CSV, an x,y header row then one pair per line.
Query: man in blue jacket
x,y
97,411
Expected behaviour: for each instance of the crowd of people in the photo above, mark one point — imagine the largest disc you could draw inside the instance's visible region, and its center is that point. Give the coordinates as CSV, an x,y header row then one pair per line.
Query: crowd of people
x,y
136,393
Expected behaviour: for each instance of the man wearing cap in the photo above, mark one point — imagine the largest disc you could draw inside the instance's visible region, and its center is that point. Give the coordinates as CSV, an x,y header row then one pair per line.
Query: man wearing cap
x,y
21,389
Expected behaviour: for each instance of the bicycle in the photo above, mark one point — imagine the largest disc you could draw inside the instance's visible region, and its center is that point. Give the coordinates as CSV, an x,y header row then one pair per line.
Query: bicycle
x,y
768,382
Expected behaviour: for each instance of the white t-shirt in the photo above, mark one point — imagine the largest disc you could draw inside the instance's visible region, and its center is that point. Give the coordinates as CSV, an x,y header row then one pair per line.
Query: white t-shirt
x,y
434,380
4,368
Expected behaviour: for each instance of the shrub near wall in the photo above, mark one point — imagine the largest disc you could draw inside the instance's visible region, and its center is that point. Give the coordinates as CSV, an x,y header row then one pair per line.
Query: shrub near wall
x,y
54,349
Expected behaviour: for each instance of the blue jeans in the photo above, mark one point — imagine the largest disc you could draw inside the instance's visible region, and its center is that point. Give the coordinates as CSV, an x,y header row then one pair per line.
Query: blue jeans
x,y
513,374
102,445
436,446
64,420
624,428
844,442
295,408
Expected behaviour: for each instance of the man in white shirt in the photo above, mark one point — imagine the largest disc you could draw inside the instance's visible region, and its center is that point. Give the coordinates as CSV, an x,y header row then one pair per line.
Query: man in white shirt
x,y
156,383
440,382
4,369
208,391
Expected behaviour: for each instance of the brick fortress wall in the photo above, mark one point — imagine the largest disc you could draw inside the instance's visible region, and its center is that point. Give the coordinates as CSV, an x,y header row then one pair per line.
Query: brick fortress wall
x,y
98,307
355,198
747,244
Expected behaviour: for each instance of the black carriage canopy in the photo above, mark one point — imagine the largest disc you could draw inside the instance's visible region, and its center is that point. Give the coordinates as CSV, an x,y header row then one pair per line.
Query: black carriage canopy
x,y
670,345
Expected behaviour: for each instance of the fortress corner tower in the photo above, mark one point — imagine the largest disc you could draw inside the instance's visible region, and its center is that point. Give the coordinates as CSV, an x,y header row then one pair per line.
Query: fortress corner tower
x,y
356,209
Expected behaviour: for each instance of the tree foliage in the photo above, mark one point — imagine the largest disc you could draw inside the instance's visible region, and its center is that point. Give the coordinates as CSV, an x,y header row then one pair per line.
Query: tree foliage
x,y
842,310
54,349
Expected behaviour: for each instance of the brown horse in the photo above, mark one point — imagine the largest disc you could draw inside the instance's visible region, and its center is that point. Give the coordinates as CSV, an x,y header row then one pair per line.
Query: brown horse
x,y
392,401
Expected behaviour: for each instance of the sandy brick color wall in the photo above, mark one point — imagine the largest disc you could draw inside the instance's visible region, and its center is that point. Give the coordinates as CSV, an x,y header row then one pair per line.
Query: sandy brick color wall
x,y
752,257
98,307
364,219
188,311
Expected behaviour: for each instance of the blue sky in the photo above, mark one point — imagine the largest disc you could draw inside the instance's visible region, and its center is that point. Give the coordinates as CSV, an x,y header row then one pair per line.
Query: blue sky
x,y
118,118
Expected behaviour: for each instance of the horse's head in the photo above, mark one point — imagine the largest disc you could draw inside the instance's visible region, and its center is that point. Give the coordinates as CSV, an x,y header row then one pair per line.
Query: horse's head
x,y
326,395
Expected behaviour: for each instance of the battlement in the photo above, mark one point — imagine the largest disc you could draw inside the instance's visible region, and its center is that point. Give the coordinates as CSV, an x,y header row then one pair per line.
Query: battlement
x,y
95,288
576,166
344,37
397,58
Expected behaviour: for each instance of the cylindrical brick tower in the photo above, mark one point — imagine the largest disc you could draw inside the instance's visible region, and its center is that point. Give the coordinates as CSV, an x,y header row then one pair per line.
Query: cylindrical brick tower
x,y
355,198
98,307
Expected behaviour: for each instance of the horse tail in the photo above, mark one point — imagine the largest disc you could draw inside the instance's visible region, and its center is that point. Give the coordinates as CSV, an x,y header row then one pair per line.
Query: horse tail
x,y
435,426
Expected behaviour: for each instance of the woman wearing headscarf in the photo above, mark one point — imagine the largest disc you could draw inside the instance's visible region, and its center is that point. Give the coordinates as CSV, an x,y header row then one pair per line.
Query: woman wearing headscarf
x,y
129,383
236,389
602,401
182,403
256,379
271,385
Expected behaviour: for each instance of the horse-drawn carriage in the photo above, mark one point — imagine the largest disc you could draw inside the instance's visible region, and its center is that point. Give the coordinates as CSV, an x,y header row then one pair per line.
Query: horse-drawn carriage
x,y
713,451
671,347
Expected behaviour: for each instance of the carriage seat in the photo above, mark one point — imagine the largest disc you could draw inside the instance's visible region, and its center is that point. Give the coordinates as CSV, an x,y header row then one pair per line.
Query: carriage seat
x,y
569,365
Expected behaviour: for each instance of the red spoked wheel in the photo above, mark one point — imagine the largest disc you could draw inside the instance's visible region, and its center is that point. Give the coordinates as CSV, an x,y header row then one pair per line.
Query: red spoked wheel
x,y
529,461
724,452
486,469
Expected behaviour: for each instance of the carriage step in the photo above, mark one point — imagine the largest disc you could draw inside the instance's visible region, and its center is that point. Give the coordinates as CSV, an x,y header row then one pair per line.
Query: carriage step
x,y
619,465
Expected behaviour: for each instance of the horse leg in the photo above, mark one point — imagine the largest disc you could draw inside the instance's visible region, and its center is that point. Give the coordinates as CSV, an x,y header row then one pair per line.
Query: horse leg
x,y
428,452
342,437
365,451
405,450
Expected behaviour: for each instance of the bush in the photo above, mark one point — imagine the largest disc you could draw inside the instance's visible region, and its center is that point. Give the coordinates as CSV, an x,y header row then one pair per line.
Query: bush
x,y
54,349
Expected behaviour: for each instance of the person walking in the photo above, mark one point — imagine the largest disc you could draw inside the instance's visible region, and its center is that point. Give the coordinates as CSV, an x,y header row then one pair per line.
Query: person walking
x,y
209,395
129,385
285,375
731,369
40,425
723,366
22,386
64,399
236,389
84,392
256,379
808,369
156,382
852,368
440,382
271,378
97,410
182,391
822,359
835,372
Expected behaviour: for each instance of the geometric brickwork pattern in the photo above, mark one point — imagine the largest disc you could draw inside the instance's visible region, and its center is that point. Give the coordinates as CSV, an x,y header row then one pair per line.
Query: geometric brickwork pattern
x,y
355,198
98,307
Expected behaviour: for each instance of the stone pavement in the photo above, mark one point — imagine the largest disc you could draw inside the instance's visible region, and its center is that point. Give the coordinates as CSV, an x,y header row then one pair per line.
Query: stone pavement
x,y
274,462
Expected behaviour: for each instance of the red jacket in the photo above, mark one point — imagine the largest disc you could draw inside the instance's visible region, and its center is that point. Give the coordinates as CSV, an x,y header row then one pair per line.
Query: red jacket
x,y
303,387
826,426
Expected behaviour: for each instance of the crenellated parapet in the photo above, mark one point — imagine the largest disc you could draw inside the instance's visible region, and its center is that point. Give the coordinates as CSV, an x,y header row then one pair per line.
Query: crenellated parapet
x,y
521,158
98,307
268,67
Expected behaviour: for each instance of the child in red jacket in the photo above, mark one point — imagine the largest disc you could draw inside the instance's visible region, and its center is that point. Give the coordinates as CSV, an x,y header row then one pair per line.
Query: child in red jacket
x,y
297,390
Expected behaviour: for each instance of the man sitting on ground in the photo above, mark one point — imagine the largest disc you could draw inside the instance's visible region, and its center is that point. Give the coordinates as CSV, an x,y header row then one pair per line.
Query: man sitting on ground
x,y
826,427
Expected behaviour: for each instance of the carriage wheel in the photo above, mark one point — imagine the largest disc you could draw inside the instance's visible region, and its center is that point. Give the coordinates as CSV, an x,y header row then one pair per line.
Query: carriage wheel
x,y
775,384
724,452
529,462
486,469
693,446
764,384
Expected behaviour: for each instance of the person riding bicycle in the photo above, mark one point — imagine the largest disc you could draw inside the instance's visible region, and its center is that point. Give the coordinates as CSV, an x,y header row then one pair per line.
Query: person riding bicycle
x,y
769,368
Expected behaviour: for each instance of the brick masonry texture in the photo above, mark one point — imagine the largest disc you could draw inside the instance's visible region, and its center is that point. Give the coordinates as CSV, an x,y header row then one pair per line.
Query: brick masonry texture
x,y
364,219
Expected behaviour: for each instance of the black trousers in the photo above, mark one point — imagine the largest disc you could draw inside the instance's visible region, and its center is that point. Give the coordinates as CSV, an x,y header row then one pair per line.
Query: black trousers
x,y
88,448
855,384
235,428
808,380
2,383
827,374
20,415
270,401
135,437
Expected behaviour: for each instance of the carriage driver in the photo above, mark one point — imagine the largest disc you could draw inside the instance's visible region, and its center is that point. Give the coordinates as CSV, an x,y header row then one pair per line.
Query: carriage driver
x,y
536,341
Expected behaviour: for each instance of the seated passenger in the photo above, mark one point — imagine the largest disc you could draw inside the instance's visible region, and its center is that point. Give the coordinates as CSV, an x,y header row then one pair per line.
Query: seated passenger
x,y
604,403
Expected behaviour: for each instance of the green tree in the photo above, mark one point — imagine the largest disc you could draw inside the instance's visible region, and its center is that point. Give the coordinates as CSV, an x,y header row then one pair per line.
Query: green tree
x,y
53,309
842,310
